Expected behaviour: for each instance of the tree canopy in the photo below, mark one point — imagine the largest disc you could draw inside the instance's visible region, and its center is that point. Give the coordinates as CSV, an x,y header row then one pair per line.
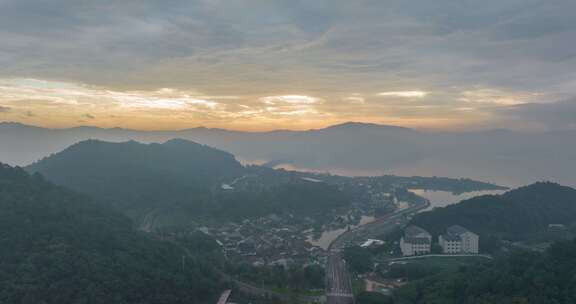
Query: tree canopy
x,y
521,278
57,246
514,215
182,177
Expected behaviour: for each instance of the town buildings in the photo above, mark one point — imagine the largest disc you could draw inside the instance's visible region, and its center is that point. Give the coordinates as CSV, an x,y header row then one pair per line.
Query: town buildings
x,y
416,241
459,240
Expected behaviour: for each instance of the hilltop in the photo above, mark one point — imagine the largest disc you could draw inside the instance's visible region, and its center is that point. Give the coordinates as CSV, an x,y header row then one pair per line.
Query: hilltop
x,y
181,179
522,277
518,214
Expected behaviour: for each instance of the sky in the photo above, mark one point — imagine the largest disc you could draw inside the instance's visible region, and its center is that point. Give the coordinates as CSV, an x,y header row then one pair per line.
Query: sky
x,y
289,64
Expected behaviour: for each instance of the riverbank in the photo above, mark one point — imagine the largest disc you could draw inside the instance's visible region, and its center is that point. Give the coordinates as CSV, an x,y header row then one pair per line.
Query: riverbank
x,y
380,226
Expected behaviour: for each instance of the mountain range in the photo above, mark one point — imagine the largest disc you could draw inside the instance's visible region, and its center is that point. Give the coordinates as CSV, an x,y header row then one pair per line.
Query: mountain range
x,y
505,157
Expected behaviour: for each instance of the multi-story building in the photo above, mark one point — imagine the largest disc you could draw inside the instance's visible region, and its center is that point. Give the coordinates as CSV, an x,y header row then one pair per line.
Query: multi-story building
x,y
459,240
416,241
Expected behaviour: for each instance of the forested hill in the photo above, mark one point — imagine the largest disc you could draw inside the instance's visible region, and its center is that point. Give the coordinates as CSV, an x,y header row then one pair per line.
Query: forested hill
x,y
179,180
513,215
523,277
58,247
175,159
132,174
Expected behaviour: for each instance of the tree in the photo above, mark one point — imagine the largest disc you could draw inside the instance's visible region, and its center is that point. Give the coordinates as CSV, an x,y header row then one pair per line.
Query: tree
x,y
359,259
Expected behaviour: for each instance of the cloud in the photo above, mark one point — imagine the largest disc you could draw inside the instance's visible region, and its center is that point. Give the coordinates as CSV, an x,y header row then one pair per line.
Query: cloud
x,y
4,109
555,115
159,100
404,94
343,59
89,116
73,94
289,99
496,97
290,105
238,43
355,98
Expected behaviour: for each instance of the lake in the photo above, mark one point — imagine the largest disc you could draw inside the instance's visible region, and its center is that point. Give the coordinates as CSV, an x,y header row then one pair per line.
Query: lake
x,y
445,198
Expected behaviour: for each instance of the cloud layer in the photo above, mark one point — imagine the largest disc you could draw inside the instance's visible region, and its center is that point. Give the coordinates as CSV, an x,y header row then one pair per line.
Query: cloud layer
x,y
258,64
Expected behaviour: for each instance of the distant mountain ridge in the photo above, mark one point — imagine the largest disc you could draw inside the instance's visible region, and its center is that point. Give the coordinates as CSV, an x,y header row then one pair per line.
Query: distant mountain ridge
x,y
345,125
351,125
503,157
26,144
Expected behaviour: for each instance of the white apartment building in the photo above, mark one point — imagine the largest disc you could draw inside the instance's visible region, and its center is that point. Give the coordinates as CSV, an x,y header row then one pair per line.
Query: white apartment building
x,y
416,241
459,240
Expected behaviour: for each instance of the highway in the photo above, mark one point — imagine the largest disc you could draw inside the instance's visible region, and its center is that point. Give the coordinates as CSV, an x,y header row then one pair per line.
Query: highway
x,y
379,227
338,281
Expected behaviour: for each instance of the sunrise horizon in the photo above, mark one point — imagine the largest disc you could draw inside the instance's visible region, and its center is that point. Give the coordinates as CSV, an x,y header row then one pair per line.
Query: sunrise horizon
x,y
265,66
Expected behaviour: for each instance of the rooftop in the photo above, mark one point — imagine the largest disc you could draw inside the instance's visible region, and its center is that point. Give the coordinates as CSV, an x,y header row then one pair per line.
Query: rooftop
x,y
417,240
451,237
457,230
415,231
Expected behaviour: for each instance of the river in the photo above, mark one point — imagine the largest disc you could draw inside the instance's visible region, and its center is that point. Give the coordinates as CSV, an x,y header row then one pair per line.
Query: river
x,y
436,198
330,235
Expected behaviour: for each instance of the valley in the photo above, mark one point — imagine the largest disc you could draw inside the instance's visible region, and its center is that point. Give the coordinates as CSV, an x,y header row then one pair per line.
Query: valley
x,y
270,232
287,152
262,222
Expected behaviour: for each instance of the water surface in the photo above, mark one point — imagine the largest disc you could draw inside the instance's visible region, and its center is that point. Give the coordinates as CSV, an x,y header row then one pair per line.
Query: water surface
x,y
445,198
330,235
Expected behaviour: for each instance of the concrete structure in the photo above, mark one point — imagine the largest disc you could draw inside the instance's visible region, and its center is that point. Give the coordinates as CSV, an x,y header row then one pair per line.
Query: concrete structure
x,y
224,297
416,241
372,242
459,240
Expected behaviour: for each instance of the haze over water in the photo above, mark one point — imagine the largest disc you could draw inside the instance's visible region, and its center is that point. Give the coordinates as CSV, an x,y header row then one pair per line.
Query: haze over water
x,y
502,174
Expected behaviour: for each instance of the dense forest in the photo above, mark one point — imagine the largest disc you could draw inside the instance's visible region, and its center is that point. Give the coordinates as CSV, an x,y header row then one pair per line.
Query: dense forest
x,y
182,178
522,278
515,215
57,246
134,175
299,278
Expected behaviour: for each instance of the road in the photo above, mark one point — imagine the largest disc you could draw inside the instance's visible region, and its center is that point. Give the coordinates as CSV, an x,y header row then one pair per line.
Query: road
x,y
148,221
250,289
378,227
338,281
427,256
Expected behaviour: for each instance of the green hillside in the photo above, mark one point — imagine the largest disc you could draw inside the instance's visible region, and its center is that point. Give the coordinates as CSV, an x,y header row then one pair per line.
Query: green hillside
x,y
135,175
521,278
515,215
181,180
58,247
